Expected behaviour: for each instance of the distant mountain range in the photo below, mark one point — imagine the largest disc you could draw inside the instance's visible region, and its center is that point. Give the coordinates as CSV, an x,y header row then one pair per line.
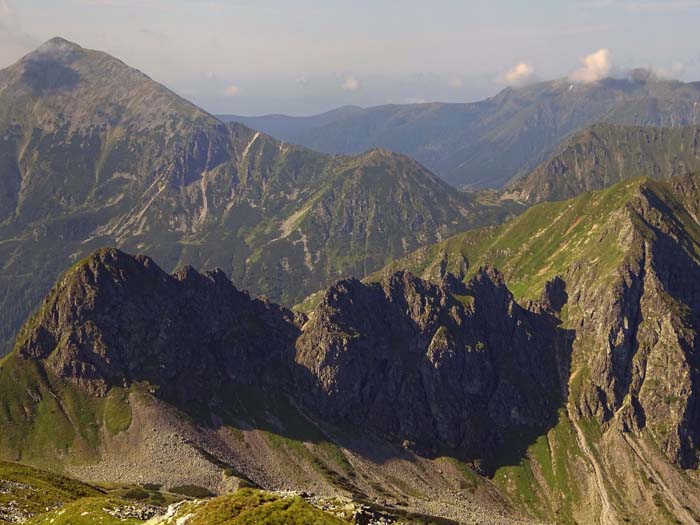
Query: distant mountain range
x,y
94,153
489,143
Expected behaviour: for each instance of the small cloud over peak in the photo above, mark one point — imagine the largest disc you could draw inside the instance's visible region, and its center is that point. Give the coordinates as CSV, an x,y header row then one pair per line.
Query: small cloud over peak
x,y
455,82
595,67
519,74
671,72
232,90
351,83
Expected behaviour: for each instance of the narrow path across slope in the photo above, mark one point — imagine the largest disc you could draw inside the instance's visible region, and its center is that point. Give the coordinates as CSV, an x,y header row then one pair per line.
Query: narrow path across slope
x,y
679,511
607,513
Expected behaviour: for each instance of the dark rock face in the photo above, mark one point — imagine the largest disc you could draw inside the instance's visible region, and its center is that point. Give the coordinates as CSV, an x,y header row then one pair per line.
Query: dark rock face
x,y
645,370
439,367
118,319
450,367
445,367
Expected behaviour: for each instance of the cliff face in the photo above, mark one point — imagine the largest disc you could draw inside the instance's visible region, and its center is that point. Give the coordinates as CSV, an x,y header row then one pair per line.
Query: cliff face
x,y
429,366
630,259
638,346
433,366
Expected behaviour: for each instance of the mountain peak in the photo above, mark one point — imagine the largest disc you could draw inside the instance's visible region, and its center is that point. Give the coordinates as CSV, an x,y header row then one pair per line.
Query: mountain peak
x,y
59,41
57,46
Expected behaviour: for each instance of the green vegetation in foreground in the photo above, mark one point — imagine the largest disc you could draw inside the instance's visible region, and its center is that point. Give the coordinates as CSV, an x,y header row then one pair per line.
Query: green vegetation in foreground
x,y
44,417
87,511
248,507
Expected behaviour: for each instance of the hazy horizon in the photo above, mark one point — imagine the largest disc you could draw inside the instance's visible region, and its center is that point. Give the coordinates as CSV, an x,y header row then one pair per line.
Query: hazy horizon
x,y
252,58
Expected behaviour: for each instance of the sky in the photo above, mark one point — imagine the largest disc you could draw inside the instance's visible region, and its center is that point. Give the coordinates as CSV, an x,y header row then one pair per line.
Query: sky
x,y
303,57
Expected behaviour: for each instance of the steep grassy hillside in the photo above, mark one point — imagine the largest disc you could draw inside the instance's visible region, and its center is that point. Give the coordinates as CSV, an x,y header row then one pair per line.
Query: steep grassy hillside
x,y
625,259
94,153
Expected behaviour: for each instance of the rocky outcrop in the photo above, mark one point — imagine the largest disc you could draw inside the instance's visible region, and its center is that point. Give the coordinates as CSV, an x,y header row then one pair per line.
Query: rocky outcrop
x,y
432,366
436,367
115,320
640,342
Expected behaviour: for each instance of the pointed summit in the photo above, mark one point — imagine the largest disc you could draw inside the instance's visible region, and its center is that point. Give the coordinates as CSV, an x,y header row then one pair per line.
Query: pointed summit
x,y
56,49
60,43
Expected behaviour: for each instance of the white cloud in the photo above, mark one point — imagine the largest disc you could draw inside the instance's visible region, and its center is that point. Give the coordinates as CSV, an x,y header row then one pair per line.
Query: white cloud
x,y
6,10
351,83
521,73
232,90
595,67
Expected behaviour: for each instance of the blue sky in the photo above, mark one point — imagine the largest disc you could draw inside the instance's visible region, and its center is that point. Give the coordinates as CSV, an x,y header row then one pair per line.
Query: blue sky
x,y
305,56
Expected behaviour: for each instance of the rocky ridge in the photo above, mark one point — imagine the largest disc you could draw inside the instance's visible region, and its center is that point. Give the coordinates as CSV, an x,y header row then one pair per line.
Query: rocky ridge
x,y
452,369
605,154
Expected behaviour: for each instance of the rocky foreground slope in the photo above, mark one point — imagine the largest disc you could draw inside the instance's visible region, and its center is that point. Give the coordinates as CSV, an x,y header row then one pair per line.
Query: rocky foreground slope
x,y
571,399
95,153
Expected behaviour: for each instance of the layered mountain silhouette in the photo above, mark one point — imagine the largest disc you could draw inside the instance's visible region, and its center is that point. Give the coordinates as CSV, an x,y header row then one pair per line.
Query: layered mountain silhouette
x,y
489,143
95,153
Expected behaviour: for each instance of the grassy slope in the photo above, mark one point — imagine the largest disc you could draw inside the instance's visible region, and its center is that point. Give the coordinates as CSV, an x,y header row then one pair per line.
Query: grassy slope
x,y
247,507
57,500
44,418
32,491
533,248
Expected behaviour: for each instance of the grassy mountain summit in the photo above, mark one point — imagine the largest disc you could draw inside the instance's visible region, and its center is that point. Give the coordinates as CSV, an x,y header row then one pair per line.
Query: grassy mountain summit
x,y
605,154
95,153
490,142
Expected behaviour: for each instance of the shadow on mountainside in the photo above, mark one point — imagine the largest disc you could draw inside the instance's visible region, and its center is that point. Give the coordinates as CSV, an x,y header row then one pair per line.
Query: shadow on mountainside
x,y
384,385
387,371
